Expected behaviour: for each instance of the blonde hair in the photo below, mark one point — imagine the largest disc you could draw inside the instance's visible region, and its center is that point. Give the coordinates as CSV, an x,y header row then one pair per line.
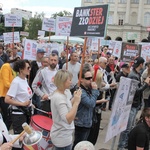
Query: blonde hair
x,y
99,77
61,77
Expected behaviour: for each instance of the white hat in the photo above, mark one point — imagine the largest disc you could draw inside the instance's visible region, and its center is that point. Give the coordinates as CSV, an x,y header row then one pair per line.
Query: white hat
x,y
84,145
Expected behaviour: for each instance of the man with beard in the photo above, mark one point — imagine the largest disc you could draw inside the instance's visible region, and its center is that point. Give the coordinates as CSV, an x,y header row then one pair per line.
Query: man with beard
x,y
43,84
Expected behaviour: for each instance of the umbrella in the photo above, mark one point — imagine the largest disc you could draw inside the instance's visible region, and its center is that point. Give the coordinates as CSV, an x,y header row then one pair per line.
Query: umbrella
x,y
63,39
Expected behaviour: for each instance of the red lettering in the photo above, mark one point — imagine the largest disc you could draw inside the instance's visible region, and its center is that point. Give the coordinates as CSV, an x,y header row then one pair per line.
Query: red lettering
x,y
96,12
96,20
130,47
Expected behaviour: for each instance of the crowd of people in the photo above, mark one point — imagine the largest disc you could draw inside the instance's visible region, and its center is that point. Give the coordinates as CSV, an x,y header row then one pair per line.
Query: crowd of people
x,y
76,96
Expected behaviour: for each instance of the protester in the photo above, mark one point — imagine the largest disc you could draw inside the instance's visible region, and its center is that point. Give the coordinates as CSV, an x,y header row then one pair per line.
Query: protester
x,y
6,138
19,96
139,136
83,121
3,56
46,76
7,74
134,74
146,92
63,111
74,68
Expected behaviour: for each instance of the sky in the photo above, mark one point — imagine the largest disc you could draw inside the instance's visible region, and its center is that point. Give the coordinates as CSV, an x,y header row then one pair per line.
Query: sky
x,y
47,6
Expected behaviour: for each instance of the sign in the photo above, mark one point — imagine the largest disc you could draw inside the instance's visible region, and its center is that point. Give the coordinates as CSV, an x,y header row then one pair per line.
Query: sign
x,y
145,51
24,33
121,108
131,36
48,24
89,21
130,51
63,26
8,37
117,49
30,48
41,33
13,20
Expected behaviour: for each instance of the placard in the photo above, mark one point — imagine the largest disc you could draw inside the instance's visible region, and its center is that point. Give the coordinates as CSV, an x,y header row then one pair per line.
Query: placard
x,y
89,21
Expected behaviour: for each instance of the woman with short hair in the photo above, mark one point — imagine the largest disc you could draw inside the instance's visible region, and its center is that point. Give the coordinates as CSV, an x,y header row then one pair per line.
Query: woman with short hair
x,y
19,95
63,111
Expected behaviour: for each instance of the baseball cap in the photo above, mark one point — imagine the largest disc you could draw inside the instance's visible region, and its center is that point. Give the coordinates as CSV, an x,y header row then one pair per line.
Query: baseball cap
x,y
125,66
55,52
40,50
138,61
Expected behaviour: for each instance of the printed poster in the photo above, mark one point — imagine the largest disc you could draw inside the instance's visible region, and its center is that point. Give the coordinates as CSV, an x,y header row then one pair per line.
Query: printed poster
x,y
90,21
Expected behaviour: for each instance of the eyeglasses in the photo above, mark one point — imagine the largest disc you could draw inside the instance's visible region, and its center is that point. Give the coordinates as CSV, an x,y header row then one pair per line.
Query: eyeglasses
x,y
90,60
105,63
88,78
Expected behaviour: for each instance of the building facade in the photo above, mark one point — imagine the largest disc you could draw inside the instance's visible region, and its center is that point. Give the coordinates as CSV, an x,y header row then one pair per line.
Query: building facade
x,y
24,13
128,19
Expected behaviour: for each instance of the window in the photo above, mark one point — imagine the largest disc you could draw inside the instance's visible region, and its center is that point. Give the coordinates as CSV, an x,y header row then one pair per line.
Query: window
x,y
147,19
121,19
110,18
123,1
147,1
134,1
120,22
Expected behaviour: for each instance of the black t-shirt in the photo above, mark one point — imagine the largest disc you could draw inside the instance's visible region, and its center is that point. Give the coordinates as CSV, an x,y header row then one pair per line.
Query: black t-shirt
x,y
139,137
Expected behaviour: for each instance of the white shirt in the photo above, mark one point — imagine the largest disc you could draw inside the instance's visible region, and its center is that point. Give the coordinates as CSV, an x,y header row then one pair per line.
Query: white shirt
x,y
20,91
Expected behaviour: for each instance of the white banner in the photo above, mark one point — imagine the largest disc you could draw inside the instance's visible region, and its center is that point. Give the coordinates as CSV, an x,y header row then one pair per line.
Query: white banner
x,y
8,37
48,24
117,49
41,33
12,20
63,26
145,51
121,108
24,33
30,49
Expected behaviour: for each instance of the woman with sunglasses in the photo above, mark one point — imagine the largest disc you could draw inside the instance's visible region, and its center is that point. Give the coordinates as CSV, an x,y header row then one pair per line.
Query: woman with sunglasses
x,y
19,95
83,121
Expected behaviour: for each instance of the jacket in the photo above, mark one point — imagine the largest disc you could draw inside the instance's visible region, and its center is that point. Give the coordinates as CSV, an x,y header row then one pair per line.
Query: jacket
x,y
85,110
138,94
6,76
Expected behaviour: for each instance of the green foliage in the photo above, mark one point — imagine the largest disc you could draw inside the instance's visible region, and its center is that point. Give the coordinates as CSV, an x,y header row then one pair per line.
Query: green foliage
x,y
61,14
34,25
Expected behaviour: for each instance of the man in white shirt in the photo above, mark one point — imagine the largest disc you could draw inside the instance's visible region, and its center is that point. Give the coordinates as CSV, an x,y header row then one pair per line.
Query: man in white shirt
x,y
46,76
73,67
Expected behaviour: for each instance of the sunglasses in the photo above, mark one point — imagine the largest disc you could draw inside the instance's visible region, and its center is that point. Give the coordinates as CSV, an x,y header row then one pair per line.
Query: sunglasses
x,y
88,78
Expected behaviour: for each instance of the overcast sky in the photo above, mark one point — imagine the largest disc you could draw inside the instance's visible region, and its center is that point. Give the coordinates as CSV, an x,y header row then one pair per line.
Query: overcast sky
x,y
47,6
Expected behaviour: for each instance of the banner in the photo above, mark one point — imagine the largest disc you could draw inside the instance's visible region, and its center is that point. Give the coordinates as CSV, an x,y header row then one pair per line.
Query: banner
x,y
41,33
145,51
117,49
12,20
24,33
89,21
63,26
121,108
48,24
8,37
130,51
30,48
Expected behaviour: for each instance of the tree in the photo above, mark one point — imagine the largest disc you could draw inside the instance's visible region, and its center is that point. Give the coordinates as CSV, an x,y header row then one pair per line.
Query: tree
x,y
61,14
34,25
